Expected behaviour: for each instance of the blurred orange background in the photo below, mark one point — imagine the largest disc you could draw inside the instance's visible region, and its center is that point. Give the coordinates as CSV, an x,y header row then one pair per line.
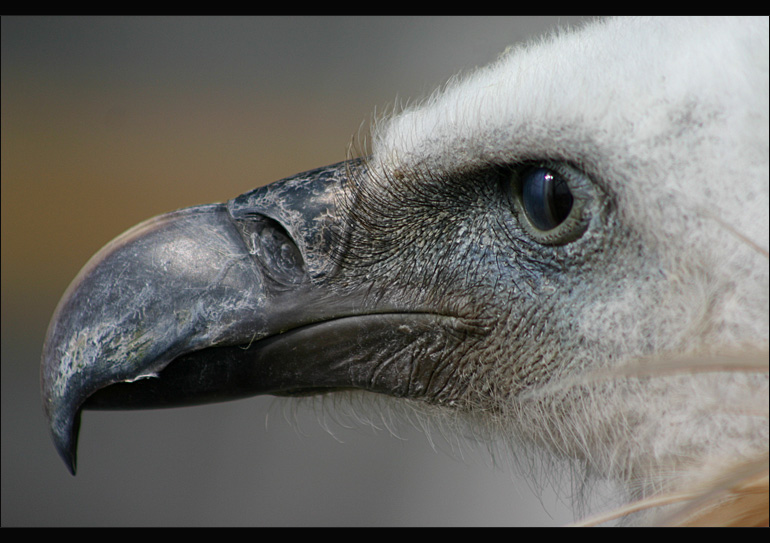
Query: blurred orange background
x,y
108,121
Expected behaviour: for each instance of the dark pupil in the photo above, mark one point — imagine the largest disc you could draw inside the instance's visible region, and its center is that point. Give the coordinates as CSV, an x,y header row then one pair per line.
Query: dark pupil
x,y
546,198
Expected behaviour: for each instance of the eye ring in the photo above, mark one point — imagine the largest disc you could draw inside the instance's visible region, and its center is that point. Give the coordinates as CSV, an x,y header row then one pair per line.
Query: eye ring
x,y
550,200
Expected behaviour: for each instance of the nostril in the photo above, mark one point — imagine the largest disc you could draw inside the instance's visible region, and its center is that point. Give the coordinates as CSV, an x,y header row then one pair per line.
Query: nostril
x,y
277,252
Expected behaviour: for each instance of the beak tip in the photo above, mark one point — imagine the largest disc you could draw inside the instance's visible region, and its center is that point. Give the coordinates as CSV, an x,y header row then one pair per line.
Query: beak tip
x,y
69,460
64,434
68,452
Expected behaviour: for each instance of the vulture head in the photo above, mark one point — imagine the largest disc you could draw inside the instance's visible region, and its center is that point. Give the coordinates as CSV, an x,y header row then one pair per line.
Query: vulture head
x,y
566,248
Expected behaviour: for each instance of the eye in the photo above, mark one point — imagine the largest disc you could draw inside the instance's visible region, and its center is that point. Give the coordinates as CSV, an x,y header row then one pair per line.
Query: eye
x,y
546,198
550,201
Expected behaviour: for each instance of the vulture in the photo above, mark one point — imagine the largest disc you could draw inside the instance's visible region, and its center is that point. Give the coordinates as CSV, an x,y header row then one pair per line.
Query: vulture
x,y
566,250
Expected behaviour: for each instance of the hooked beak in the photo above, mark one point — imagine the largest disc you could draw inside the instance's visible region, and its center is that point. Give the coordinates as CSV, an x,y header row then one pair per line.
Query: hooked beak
x,y
219,302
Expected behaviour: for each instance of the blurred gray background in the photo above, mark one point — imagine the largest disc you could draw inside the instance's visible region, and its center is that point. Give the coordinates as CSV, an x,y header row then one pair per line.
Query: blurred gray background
x,y
109,121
